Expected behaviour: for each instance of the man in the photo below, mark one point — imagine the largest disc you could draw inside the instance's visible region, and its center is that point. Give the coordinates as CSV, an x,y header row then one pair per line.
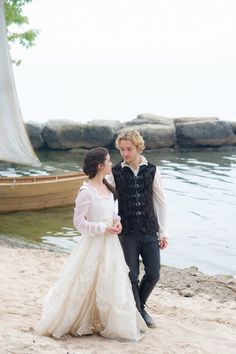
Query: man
x,y
142,209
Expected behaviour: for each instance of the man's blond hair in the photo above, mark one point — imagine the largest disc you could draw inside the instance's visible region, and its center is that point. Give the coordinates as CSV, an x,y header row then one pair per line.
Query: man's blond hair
x,y
133,136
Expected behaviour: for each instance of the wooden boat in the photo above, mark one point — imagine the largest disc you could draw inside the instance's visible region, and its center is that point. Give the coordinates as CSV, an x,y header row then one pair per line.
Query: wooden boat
x,y
25,193
39,192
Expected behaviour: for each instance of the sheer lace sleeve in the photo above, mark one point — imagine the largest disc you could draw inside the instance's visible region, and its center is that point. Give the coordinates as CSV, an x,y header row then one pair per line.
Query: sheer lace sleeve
x,y
116,217
82,204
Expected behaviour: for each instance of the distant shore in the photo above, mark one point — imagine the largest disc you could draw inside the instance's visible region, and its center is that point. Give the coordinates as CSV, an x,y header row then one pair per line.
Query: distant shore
x,y
195,313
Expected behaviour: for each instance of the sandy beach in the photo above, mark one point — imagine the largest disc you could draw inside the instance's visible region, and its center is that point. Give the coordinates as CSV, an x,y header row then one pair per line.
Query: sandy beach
x,y
195,313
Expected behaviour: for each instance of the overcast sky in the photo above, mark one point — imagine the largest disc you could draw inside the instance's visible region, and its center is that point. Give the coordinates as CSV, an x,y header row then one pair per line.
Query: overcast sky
x,y
114,59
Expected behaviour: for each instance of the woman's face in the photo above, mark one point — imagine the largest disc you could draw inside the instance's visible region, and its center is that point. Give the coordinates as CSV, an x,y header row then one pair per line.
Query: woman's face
x,y
107,165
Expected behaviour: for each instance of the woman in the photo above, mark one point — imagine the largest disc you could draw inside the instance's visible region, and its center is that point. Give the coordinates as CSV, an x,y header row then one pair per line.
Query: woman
x,y
93,293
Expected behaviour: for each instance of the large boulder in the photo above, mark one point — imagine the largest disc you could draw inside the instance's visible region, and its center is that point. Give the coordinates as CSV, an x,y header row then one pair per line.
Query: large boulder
x,y
113,124
233,125
204,133
157,131
34,131
65,134
148,118
195,119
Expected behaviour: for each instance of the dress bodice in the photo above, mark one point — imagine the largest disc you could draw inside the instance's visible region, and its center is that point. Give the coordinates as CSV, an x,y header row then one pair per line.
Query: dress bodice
x,y
101,208
93,212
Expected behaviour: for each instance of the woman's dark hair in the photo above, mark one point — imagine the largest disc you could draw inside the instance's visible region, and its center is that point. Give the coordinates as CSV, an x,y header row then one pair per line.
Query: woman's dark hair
x,y
92,159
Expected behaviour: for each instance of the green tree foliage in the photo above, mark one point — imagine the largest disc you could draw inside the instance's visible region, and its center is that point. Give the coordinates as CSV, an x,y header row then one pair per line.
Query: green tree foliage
x,y
16,19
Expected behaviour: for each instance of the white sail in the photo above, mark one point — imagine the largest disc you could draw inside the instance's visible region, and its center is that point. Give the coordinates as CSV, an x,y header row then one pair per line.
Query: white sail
x,y
15,145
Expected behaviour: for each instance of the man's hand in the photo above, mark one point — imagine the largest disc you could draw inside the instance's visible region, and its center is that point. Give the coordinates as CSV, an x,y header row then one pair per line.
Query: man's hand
x,y
163,243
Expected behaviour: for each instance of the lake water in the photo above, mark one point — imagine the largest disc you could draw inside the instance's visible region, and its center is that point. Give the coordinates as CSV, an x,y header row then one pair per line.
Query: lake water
x,y
201,195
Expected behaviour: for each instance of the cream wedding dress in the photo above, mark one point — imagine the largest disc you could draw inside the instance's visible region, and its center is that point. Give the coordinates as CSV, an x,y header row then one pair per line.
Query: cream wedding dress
x,y
93,293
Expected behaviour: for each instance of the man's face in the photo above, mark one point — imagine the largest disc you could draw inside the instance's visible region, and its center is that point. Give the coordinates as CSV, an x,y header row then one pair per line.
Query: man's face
x,y
128,151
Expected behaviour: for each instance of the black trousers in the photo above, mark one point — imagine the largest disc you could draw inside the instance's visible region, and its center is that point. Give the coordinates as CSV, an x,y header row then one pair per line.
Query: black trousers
x,y
150,253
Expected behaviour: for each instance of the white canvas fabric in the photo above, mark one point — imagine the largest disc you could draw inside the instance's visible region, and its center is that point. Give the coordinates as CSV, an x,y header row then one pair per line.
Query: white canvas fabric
x,y
15,145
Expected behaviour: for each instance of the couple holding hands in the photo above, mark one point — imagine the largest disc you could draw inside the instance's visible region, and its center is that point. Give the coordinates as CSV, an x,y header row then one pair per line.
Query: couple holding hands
x,y
121,214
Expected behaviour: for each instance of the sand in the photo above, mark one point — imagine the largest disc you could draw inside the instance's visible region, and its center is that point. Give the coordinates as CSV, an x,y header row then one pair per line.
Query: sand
x,y
195,313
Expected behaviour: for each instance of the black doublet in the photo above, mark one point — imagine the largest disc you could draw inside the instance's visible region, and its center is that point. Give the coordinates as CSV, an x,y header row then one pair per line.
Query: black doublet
x,y
135,200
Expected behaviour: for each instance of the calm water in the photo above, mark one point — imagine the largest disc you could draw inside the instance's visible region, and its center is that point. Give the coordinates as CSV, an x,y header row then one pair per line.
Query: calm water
x,y
200,191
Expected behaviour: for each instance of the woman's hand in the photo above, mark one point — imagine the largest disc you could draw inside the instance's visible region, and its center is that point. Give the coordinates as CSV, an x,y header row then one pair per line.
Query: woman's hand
x,y
118,227
115,229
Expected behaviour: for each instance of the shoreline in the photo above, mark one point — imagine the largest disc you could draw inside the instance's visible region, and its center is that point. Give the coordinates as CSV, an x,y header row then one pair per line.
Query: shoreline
x,y
194,312
17,242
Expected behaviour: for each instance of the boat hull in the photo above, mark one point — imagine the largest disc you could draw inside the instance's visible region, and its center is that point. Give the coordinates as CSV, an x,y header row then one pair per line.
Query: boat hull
x,y
39,192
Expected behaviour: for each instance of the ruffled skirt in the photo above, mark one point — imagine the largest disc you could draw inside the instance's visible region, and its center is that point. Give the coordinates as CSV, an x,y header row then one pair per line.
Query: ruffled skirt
x,y
93,294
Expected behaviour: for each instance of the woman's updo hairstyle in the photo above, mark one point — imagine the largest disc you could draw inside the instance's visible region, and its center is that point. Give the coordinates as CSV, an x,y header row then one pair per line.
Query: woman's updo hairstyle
x,y
92,159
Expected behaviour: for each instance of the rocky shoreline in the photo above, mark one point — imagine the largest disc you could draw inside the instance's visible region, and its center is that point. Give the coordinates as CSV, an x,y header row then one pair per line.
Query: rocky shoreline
x,y
158,132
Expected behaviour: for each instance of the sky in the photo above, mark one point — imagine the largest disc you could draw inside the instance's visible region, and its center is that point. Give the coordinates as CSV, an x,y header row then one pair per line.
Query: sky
x,y
115,59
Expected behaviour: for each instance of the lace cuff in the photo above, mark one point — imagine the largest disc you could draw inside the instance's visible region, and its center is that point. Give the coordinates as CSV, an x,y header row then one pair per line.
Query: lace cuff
x,y
101,227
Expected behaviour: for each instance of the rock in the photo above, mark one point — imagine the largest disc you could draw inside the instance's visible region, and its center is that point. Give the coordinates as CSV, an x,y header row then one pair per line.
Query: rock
x,y
34,131
193,271
186,293
148,118
195,119
158,132
233,125
113,124
204,133
65,134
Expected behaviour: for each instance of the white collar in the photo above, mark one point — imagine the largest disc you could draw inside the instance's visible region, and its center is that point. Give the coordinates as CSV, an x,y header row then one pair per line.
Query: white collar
x,y
143,161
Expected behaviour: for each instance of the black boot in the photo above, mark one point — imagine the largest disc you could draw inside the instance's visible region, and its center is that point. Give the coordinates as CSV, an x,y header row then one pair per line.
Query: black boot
x,y
147,318
145,290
